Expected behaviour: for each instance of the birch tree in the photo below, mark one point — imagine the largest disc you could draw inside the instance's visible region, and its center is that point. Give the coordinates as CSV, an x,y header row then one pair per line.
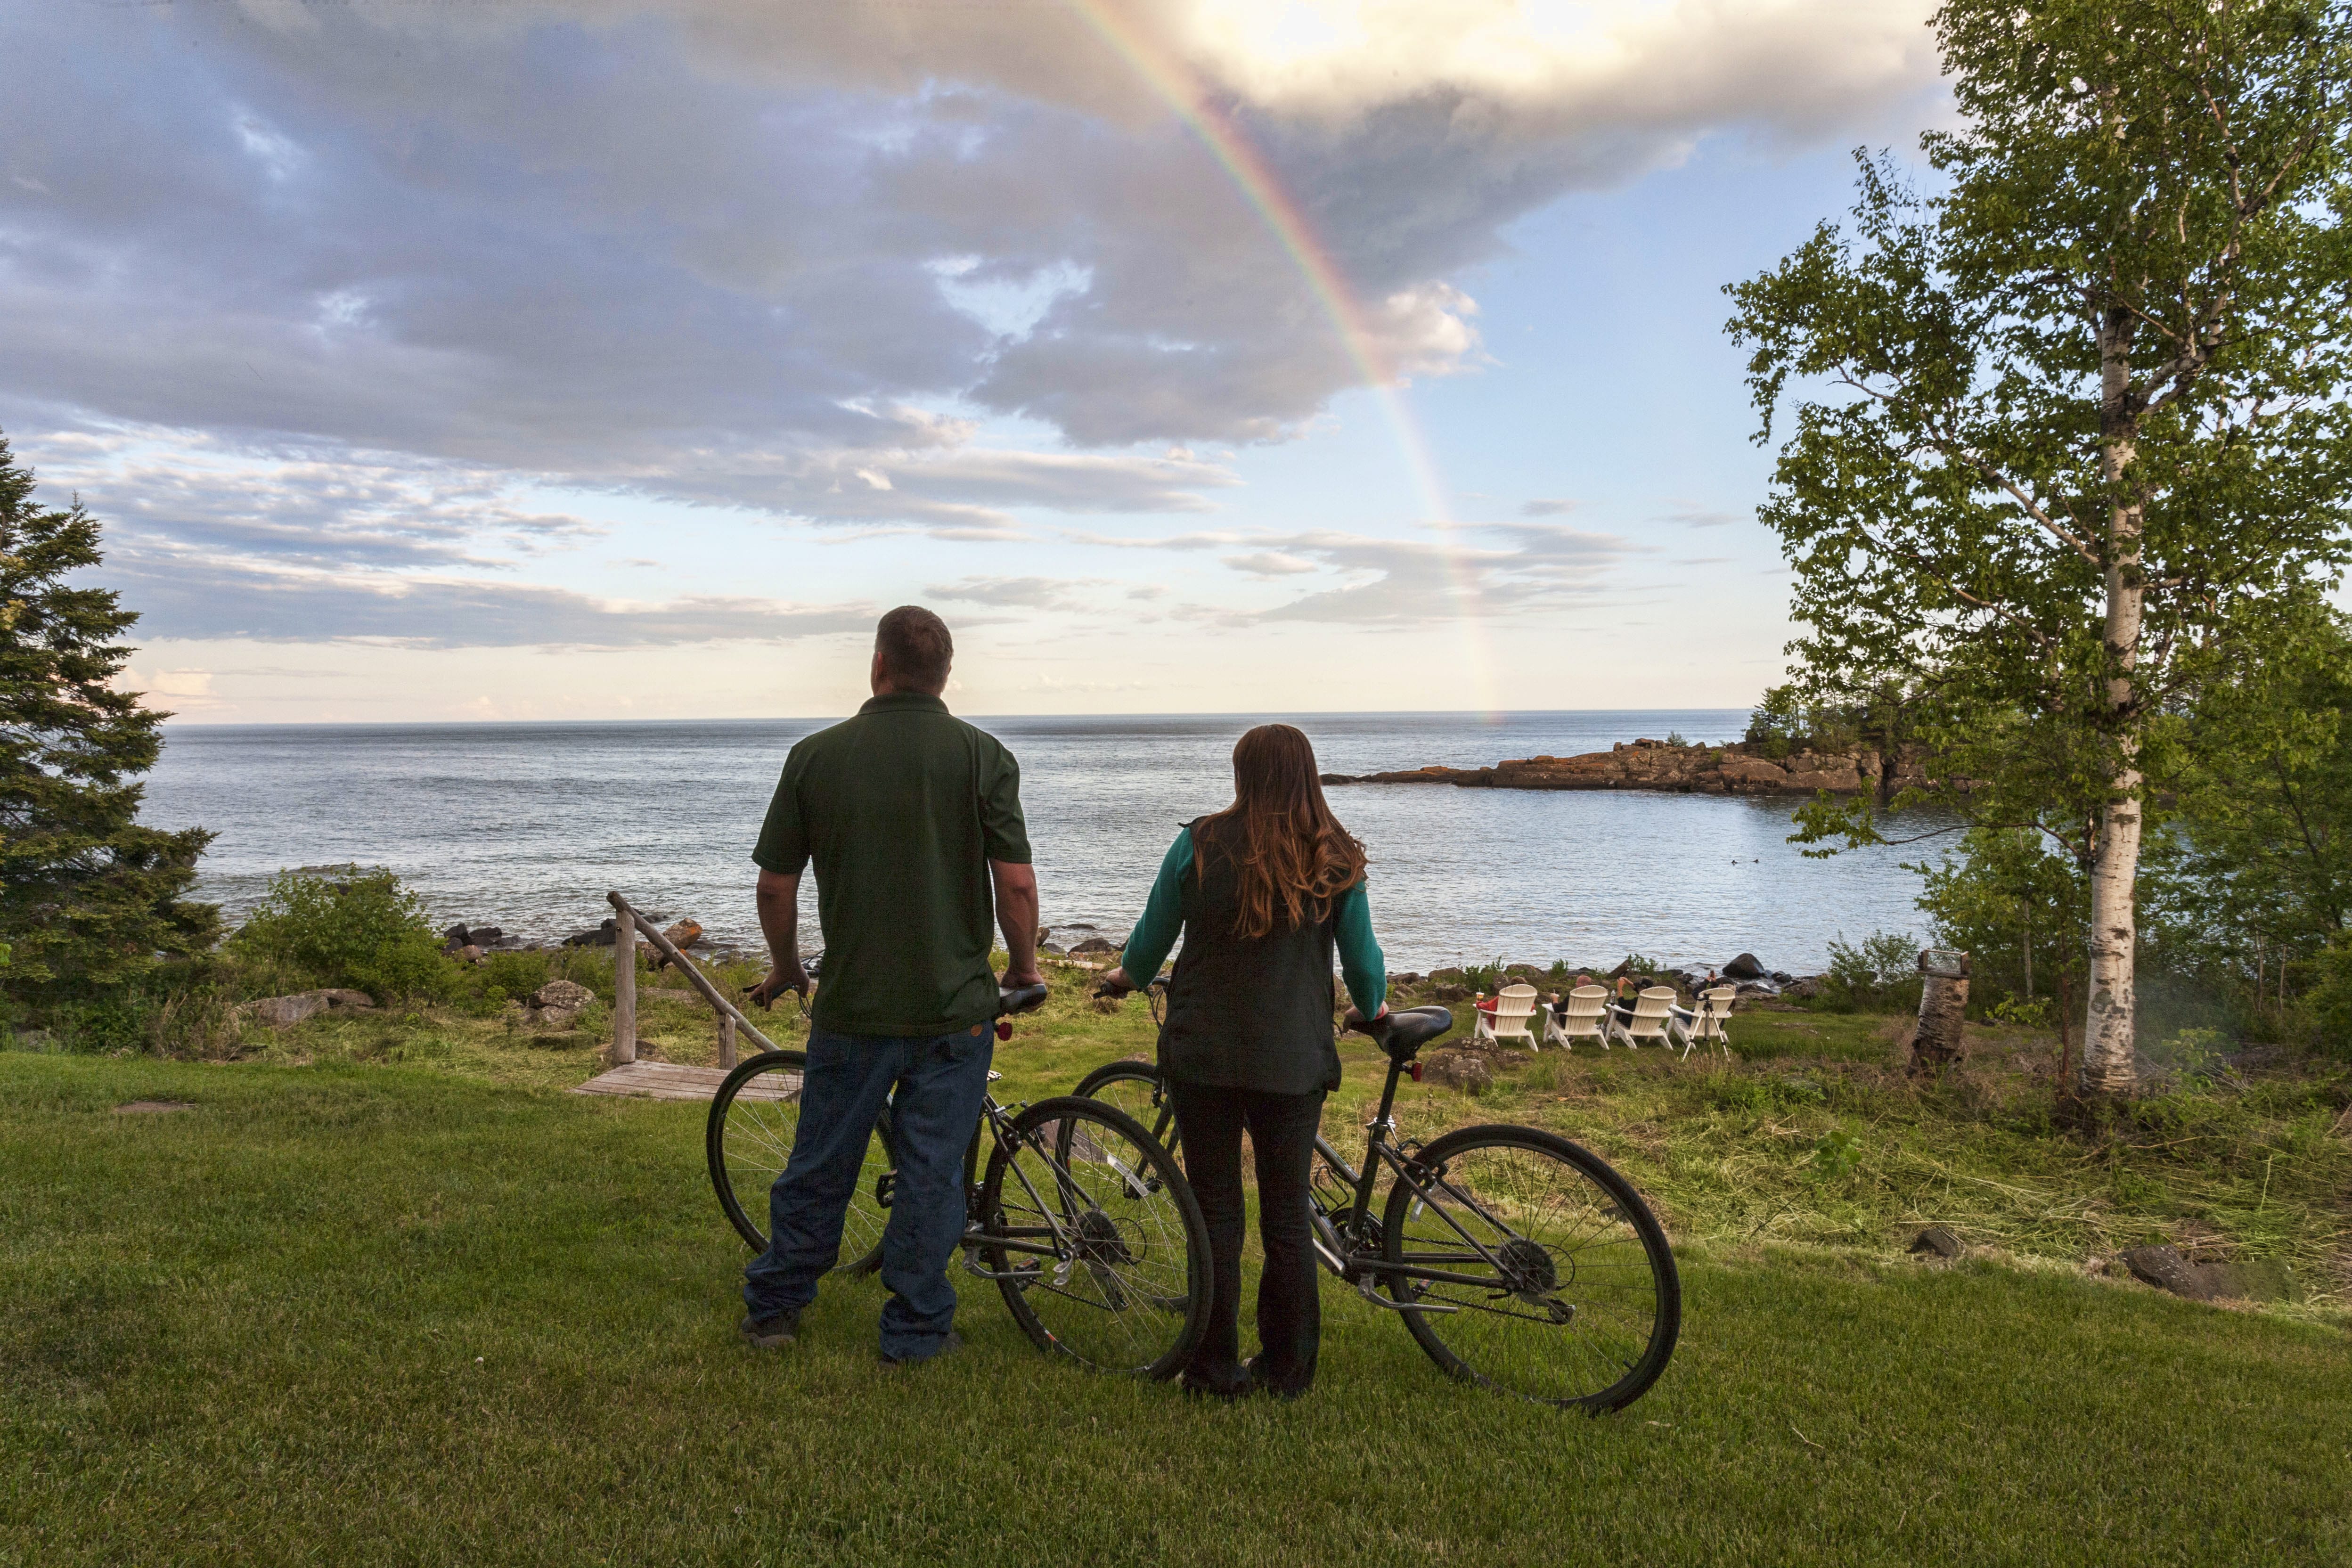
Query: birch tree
x,y
2071,425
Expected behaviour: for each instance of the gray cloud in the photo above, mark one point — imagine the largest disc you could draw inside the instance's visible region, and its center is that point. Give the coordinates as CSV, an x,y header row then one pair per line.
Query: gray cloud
x,y
194,597
1548,508
603,237
322,287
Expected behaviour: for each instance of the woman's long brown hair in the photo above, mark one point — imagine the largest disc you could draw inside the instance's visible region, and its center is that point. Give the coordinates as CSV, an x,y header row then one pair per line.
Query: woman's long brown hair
x,y
1290,852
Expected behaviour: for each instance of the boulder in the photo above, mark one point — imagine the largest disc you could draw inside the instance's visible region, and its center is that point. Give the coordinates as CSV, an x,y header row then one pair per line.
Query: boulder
x,y
2164,1267
277,1012
1462,1069
682,936
1092,944
485,936
1744,967
455,936
559,1003
1937,1241
2256,1279
605,935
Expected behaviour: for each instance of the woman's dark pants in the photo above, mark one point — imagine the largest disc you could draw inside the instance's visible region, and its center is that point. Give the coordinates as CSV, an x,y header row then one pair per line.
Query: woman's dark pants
x,y
1289,1311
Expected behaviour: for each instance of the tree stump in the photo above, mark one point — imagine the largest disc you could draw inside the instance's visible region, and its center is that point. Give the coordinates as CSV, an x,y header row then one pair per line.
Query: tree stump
x,y
1943,1008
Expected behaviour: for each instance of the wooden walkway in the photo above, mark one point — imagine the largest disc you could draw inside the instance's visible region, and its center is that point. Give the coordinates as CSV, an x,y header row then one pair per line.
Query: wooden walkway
x,y
672,1080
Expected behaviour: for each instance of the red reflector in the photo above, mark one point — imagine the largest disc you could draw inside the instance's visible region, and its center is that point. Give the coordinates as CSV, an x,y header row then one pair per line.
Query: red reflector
x,y
1415,1070
1003,1028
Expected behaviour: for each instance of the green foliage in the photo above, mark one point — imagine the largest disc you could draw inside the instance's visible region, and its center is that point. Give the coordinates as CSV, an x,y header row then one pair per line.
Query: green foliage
x,y
2330,1000
1836,1155
1485,977
363,929
89,899
483,990
2017,906
2253,878
2084,439
1674,738
1881,975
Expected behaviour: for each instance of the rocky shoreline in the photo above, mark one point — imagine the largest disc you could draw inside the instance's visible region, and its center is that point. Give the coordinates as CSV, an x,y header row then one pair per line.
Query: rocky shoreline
x,y
1737,768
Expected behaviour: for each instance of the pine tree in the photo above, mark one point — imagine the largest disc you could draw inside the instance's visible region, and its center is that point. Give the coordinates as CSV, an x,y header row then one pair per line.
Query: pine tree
x,y
89,899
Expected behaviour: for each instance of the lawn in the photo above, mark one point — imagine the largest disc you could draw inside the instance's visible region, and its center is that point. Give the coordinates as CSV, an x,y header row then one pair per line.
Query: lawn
x,y
369,1311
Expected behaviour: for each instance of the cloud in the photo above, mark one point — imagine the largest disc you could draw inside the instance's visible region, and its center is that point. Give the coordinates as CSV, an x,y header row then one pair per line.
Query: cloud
x,y
1016,593
193,597
641,239
1700,517
1548,508
1272,563
342,287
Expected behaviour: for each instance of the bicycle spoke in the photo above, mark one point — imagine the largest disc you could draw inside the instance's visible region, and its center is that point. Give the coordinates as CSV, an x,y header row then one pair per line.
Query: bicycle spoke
x,y
1570,1296
1118,1290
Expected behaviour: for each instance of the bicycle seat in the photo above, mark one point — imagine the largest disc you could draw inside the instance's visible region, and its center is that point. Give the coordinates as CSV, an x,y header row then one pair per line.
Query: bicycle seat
x,y
1402,1033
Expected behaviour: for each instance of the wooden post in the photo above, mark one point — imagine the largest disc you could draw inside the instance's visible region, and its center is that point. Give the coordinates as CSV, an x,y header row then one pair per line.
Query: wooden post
x,y
624,990
1943,1013
725,1041
694,975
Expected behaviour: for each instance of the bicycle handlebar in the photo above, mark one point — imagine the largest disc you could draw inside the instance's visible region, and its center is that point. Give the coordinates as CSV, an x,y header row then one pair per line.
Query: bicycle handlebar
x,y
1020,999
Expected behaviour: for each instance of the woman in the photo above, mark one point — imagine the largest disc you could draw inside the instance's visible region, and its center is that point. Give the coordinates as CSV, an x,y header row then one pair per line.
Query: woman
x,y
1263,890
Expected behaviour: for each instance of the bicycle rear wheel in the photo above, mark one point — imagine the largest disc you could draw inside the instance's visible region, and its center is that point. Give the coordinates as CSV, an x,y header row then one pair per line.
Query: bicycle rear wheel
x,y
1562,1287
1134,1087
1095,1239
753,1119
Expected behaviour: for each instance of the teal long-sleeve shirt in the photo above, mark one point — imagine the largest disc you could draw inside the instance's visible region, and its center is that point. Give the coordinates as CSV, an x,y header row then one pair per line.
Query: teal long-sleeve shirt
x,y
1361,960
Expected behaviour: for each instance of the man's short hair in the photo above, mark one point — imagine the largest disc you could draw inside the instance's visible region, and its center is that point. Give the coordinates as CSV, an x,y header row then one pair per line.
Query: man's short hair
x,y
916,649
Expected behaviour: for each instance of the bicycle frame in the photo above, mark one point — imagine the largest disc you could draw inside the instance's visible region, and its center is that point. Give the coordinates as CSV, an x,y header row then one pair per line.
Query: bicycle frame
x,y
1342,1242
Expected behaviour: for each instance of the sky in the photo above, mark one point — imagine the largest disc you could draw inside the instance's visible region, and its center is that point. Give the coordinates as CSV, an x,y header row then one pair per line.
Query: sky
x,y
515,359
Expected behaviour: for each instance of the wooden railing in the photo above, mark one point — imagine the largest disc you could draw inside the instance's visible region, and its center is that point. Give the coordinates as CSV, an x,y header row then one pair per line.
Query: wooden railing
x,y
627,925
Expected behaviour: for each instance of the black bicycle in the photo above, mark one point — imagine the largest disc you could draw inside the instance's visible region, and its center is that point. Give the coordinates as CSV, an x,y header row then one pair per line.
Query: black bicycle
x,y
1517,1258
1083,1220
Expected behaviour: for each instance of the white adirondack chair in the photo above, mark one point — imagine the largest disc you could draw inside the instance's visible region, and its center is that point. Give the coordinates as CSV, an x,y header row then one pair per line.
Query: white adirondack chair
x,y
1703,1024
1653,1010
1588,1006
1513,1005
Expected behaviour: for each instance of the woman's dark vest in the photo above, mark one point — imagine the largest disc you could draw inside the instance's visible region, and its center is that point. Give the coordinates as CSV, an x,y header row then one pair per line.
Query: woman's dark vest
x,y
1246,1012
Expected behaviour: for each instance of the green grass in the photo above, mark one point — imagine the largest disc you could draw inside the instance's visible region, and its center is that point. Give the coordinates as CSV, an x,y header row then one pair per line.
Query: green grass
x,y
372,1311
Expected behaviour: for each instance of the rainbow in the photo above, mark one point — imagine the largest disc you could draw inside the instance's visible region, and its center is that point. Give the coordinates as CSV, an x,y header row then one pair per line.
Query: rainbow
x,y
1175,85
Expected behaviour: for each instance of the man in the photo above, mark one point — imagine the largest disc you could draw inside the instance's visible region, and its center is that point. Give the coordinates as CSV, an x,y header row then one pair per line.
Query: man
x,y
913,818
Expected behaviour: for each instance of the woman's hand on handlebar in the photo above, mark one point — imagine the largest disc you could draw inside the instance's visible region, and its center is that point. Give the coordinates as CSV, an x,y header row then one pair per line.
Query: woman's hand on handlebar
x,y
1356,1020
1114,983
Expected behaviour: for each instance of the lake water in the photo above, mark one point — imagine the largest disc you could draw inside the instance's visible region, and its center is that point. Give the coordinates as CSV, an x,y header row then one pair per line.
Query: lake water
x,y
526,825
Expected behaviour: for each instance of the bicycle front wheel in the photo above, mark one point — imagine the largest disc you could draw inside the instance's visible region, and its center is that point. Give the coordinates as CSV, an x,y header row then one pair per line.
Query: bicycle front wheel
x,y
754,1117
1539,1269
1134,1087
1094,1238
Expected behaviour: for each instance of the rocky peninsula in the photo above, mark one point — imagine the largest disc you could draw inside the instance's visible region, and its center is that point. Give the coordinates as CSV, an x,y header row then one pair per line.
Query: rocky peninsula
x,y
1737,768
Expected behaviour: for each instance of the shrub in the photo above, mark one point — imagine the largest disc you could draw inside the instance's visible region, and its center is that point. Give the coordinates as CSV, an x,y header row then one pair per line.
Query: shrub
x,y
364,931
501,977
2330,1000
1882,975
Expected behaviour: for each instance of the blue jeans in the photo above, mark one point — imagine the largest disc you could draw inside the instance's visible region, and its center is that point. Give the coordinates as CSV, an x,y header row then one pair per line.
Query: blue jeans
x,y
939,1082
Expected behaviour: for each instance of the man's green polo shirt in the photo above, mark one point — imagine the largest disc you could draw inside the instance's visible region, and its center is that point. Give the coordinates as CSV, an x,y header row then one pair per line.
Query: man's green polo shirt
x,y
902,808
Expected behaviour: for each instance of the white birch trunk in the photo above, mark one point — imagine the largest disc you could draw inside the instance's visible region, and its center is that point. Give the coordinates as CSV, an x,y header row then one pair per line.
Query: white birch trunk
x,y
2108,1066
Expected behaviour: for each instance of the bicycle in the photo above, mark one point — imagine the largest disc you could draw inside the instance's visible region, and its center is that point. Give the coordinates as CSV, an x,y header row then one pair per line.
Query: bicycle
x,y
1517,1258
1083,1221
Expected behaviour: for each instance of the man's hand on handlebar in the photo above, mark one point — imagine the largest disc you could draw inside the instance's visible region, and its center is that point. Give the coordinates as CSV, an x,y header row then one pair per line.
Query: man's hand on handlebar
x,y
1020,979
781,978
